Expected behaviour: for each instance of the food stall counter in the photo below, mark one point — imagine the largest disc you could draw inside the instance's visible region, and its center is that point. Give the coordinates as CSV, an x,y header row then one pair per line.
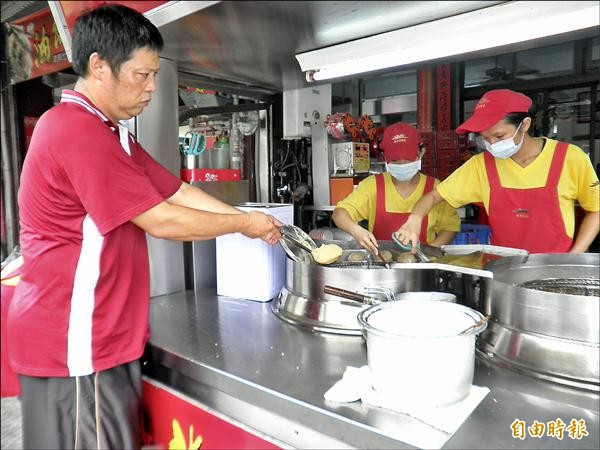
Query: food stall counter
x,y
262,378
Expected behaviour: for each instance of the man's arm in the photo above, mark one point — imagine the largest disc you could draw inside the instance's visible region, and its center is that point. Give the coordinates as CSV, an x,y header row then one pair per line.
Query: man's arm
x,y
194,197
170,221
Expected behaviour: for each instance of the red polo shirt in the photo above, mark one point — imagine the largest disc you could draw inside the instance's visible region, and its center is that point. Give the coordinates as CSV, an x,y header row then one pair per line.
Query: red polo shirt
x,y
82,303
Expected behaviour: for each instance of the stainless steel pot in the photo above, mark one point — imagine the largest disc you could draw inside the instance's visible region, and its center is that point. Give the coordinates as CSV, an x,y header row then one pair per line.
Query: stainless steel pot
x,y
543,321
416,353
302,300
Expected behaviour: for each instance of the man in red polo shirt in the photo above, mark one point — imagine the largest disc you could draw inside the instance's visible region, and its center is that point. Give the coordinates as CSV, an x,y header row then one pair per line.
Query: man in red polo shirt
x,y
78,322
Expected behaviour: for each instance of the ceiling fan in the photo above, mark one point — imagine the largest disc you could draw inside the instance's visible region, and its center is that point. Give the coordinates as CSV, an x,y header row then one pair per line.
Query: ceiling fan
x,y
499,73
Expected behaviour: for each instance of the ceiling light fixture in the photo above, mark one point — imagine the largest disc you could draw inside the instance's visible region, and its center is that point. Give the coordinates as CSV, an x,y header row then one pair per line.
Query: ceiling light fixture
x,y
507,23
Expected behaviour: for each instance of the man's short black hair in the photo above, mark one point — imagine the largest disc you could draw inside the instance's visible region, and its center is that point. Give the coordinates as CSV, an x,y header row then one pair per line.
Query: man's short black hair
x,y
114,32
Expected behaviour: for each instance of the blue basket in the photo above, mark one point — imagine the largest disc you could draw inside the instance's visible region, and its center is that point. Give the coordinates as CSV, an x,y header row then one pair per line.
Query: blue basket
x,y
472,234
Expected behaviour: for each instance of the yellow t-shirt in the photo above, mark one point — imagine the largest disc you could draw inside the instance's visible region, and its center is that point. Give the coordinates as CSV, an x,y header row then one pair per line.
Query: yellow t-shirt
x,y
361,204
578,181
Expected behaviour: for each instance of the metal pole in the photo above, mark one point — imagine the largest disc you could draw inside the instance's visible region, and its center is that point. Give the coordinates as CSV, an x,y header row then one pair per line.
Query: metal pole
x,y
9,143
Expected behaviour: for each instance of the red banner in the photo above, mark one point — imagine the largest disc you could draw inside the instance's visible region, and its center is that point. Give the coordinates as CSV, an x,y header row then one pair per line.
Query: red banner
x,y
424,99
35,47
178,424
443,78
73,9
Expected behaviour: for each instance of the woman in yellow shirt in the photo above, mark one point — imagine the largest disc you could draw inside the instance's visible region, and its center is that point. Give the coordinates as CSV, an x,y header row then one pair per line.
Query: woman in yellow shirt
x,y
386,200
528,185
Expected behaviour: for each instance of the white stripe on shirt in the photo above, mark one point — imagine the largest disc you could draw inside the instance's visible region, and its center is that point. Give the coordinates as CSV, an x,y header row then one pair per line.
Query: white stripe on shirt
x,y
79,344
70,98
124,138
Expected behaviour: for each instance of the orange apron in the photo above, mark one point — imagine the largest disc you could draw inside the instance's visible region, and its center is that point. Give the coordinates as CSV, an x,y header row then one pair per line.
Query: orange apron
x,y
386,222
528,218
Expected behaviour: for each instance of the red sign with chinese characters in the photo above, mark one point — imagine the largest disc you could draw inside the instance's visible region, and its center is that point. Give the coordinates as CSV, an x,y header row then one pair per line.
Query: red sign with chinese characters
x,y
424,99
175,423
35,47
443,78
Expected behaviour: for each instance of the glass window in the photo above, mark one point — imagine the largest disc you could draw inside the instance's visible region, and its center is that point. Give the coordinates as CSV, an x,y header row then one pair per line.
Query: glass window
x,y
488,71
341,96
389,86
569,116
469,106
593,56
546,61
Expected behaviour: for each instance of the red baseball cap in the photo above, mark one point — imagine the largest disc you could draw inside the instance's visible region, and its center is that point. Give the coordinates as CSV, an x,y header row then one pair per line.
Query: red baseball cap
x,y
492,108
400,141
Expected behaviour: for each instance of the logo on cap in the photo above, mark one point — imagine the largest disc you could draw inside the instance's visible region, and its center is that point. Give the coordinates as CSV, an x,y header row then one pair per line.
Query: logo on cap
x,y
482,102
399,138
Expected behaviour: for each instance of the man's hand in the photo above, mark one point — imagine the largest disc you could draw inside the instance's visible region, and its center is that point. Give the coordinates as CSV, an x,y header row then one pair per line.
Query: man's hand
x,y
366,239
260,225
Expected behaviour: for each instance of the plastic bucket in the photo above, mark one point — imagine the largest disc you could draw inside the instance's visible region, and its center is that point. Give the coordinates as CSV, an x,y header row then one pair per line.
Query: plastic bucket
x,y
415,353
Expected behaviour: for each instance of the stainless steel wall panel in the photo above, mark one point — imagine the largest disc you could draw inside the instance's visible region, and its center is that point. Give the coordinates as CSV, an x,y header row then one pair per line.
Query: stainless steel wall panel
x,y
157,130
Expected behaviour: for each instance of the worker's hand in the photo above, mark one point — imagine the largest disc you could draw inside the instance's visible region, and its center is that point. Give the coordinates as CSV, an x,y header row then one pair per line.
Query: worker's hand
x,y
260,225
365,239
409,233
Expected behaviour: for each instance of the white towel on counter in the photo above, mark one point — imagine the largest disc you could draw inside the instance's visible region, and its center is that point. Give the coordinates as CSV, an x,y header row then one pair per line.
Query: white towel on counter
x,y
355,385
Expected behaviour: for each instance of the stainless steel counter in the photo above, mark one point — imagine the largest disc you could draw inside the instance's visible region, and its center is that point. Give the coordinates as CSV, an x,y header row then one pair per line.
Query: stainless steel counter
x,y
236,357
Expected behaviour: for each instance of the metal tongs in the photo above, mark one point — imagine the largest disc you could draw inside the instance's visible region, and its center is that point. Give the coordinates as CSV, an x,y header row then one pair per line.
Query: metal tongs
x,y
371,258
298,237
291,235
420,255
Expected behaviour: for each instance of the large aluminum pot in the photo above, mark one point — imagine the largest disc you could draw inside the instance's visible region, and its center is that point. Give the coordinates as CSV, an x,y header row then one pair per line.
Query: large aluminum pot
x,y
545,310
303,301
415,352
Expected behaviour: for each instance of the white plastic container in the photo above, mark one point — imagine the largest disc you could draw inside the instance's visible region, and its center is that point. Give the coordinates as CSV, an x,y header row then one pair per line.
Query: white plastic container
x,y
250,268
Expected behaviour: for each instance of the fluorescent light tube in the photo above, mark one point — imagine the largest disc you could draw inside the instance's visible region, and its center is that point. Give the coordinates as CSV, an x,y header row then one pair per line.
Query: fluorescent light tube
x,y
498,25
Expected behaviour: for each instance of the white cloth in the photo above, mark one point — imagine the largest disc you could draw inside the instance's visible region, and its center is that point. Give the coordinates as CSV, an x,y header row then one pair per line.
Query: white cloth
x,y
355,386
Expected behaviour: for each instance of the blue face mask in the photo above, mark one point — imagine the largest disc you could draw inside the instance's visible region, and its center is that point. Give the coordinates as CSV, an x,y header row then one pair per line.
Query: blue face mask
x,y
505,148
403,172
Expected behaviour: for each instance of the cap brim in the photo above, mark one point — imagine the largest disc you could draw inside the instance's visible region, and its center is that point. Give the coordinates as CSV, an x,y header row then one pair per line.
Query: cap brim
x,y
479,122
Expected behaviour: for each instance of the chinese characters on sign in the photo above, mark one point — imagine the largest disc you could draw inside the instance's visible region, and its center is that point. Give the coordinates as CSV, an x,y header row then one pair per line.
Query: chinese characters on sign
x,y
424,99
443,97
35,47
555,428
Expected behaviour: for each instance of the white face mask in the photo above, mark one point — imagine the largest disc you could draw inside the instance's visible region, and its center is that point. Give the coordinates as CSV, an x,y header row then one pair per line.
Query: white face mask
x,y
506,147
403,172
